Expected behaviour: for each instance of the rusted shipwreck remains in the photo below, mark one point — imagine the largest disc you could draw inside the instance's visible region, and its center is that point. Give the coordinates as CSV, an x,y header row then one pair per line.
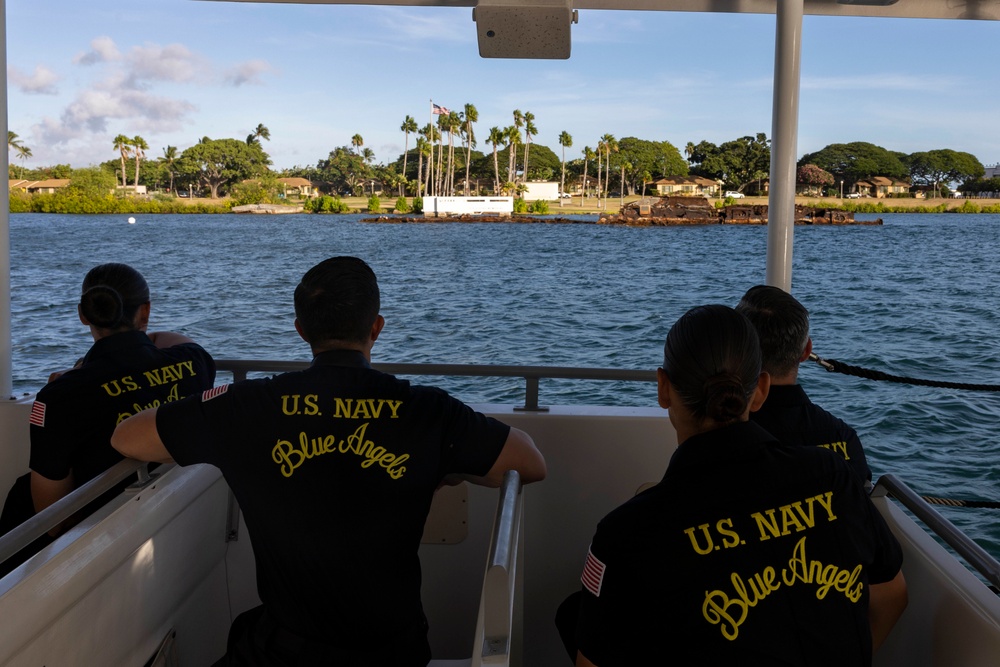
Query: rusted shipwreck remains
x,y
665,211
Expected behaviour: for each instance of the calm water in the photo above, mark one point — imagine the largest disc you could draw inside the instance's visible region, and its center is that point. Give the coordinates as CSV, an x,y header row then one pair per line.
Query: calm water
x,y
915,297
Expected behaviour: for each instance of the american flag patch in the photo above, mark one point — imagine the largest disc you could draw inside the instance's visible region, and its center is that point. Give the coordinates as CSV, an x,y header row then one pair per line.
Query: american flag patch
x,y
209,394
593,574
37,414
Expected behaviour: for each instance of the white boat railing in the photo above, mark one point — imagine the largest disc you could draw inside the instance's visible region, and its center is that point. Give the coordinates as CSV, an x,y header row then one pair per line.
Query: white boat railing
x,y
977,557
68,505
530,374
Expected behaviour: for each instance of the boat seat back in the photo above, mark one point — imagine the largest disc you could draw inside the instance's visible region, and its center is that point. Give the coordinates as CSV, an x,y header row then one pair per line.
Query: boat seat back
x,y
16,449
952,617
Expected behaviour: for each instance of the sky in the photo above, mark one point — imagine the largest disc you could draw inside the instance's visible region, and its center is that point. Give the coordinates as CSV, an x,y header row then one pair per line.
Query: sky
x,y
174,71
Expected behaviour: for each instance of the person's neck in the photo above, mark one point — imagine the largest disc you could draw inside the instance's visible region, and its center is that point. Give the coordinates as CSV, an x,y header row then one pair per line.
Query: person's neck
x,y
330,346
787,379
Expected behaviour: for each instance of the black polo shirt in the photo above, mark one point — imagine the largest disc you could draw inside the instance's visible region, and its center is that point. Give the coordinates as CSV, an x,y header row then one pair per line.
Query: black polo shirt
x,y
74,416
748,552
334,468
791,417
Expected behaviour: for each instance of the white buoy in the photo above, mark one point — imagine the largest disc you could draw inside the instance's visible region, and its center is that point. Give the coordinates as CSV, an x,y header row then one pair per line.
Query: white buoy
x,y
131,221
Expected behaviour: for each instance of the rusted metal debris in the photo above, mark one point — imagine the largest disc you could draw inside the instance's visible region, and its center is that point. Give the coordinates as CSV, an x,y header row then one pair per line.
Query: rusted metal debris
x,y
664,211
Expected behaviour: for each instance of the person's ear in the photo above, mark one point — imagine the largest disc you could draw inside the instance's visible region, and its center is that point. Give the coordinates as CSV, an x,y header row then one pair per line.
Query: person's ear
x,y
807,351
298,329
142,317
662,389
377,327
760,393
83,320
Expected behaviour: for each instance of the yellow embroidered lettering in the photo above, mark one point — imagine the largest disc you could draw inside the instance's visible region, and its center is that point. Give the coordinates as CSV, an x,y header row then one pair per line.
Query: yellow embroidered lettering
x,y
717,610
292,409
708,548
342,407
287,456
312,408
770,523
361,410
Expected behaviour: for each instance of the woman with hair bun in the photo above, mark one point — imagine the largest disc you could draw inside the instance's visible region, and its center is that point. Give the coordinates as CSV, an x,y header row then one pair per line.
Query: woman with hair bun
x,y
124,371
748,552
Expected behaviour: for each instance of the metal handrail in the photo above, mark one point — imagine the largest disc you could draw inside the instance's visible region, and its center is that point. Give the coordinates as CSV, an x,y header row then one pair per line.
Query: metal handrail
x,y
963,545
50,517
498,597
531,374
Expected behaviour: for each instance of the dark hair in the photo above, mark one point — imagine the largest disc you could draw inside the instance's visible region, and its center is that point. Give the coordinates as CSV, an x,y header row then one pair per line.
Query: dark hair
x,y
337,300
112,294
712,358
782,324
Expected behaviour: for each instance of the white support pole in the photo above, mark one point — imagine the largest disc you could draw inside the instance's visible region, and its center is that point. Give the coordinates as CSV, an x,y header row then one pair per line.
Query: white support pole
x,y
784,143
6,365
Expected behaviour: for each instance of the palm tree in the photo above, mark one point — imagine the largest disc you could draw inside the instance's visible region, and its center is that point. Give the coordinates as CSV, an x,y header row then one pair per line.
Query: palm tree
x,y
588,156
610,144
471,116
170,156
368,155
357,142
566,141
422,149
513,141
529,129
123,144
688,150
496,138
139,146
13,142
452,124
600,160
261,132
23,152
625,165
409,125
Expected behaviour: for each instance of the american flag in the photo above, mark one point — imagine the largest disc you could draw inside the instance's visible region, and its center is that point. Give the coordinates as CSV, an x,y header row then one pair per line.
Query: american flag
x,y
593,574
37,414
439,110
209,394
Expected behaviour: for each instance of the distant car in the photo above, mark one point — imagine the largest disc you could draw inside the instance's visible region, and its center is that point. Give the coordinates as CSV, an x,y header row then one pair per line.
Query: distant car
x,y
564,195
853,195
735,195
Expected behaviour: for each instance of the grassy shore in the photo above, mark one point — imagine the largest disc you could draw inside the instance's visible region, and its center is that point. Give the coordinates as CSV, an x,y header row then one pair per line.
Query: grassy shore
x,y
591,206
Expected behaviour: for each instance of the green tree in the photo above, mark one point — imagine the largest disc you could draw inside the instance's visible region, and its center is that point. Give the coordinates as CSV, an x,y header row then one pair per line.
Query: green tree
x,y
216,163
944,166
496,138
344,170
470,116
139,147
857,161
588,156
653,156
91,183
737,163
529,130
123,145
409,126
566,141
169,159
259,132
357,141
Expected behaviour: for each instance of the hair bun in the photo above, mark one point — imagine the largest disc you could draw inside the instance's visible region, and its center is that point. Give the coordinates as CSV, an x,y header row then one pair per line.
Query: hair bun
x,y
103,307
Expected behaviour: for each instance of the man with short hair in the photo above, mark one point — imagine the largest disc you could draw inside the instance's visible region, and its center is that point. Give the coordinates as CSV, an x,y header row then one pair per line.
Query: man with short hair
x,y
334,468
782,325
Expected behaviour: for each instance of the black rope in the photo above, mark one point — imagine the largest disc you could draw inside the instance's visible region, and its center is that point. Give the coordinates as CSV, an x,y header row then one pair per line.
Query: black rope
x,y
835,366
955,502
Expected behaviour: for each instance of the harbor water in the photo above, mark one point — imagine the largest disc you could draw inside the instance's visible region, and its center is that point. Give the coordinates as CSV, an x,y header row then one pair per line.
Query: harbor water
x,y
914,297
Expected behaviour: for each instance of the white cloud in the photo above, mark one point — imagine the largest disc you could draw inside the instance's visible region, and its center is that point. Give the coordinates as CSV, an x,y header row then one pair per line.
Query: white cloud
x,y
103,50
40,82
249,72
152,62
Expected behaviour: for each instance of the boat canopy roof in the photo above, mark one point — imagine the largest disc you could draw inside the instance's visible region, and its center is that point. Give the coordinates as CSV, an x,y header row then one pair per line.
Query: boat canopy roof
x,y
988,10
